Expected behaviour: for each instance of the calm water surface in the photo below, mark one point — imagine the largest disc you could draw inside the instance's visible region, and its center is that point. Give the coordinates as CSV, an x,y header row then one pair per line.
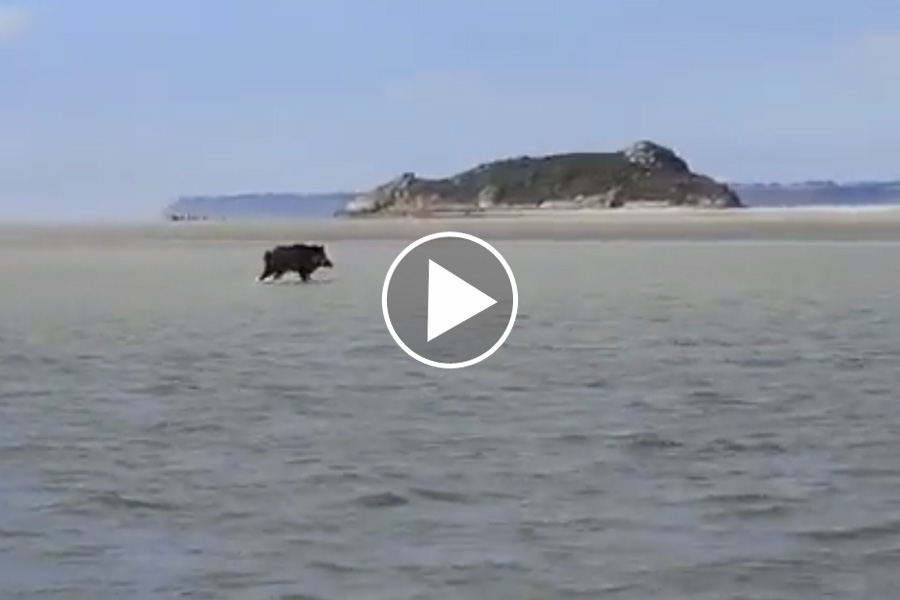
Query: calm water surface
x,y
667,420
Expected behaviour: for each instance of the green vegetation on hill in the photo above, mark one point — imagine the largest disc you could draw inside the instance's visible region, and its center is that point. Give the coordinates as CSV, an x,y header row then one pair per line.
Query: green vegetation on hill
x,y
644,172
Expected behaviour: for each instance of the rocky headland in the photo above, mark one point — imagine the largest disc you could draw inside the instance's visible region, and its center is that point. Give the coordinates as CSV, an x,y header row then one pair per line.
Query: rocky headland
x,y
644,174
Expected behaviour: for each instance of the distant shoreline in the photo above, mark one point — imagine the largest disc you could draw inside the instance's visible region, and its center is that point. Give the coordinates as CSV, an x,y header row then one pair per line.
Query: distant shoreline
x,y
535,212
660,224
675,213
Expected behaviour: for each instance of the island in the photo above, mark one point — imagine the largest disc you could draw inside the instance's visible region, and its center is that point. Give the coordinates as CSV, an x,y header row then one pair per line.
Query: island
x,y
645,174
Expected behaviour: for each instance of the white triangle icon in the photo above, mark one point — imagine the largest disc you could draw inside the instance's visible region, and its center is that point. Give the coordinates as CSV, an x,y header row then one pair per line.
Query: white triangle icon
x,y
451,300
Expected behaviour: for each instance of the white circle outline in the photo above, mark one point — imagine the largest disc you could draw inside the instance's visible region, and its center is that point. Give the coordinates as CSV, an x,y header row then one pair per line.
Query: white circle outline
x,y
509,274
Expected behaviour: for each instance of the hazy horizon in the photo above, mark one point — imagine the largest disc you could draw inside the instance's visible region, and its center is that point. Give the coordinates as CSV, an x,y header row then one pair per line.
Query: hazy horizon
x,y
102,119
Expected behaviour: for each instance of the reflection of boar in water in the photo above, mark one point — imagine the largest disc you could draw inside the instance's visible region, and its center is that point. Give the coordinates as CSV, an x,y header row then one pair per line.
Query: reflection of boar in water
x,y
302,259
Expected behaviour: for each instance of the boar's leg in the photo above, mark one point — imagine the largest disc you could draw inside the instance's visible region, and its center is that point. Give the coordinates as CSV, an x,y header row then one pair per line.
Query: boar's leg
x,y
266,273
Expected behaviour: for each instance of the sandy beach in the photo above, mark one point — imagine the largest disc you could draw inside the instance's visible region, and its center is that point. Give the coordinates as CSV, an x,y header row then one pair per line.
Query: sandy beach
x,y
811,224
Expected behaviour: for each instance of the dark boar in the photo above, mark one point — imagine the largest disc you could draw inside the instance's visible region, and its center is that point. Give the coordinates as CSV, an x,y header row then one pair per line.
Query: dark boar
x,y
302,259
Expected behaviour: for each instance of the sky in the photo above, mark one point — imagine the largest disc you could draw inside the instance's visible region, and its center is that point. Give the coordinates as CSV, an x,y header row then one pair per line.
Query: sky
x,y
113,109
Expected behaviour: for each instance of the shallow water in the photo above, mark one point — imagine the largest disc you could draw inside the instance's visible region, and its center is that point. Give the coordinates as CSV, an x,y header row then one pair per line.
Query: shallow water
x,y
667,420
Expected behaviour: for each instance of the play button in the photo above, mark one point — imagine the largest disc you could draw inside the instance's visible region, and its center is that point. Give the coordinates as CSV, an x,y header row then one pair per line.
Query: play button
x,y
449,300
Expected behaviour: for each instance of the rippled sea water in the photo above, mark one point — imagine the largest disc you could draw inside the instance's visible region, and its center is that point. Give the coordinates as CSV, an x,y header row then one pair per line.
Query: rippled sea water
x,y
667,420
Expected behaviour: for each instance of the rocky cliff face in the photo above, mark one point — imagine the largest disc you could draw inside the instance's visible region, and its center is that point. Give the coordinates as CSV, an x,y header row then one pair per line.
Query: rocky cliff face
x,y
643,172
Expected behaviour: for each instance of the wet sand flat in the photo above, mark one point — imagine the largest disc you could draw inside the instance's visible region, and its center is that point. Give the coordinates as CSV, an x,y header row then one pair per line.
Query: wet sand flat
x,y
670,418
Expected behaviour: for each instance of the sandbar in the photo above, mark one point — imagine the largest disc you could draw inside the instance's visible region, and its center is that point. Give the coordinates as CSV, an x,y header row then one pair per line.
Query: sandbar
x,y
662,224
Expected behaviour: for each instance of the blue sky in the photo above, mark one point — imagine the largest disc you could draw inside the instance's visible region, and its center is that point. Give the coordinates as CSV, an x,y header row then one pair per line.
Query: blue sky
x,y
112,108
